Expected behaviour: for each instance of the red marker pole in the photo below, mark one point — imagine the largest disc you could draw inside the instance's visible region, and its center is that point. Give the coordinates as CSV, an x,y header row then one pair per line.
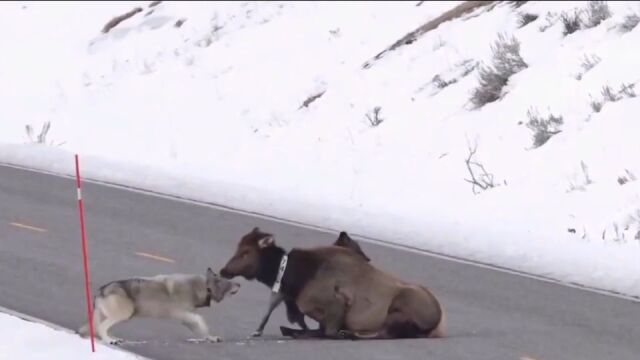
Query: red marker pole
x,y
85,258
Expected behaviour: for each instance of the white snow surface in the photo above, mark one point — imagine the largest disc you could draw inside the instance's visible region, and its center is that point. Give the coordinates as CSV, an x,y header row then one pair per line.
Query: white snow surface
x,y
28,340
211,110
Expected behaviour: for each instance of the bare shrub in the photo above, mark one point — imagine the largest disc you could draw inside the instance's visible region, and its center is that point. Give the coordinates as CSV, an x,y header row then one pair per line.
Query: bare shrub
x,y
596,105
118,19
581,184
374,116
506,56
597,12
440,83
468,66
525,19
628,90
517,4
550,19
609,95
506,61
41,138
451,76
570,22
480,178
588,63
179,22
629,23
629,176
543,127
213,34
490,86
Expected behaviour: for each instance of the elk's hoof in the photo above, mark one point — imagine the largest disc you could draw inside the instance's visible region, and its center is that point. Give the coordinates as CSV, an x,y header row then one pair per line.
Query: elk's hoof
x,y
346,334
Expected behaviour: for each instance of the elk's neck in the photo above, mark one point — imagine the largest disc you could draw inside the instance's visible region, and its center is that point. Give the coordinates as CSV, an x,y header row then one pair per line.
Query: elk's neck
x,y
270,258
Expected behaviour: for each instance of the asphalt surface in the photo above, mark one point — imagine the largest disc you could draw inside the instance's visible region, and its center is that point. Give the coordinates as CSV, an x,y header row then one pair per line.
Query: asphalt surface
x,y
491,314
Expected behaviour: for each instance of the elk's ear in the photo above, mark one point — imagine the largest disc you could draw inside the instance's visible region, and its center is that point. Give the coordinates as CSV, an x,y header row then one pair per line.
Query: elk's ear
x,y
266,241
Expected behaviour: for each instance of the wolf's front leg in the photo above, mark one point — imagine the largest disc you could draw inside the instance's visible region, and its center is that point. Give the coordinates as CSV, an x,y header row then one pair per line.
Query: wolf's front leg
x,y
195,323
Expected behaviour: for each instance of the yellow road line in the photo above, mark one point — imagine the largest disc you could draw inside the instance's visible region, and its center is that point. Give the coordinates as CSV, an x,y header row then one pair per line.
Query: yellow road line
x,y
28,227
155,257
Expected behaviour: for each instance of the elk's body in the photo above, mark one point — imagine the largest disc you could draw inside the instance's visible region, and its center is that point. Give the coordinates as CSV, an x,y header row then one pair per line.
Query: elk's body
x,y
340,289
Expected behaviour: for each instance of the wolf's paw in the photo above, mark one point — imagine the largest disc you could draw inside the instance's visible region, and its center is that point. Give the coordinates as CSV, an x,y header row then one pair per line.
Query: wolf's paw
x,y
256,333
115,341
214,339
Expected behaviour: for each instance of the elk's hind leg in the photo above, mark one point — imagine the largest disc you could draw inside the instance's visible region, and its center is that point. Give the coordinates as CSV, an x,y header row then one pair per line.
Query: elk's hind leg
x,y
322,304
414,313
294,315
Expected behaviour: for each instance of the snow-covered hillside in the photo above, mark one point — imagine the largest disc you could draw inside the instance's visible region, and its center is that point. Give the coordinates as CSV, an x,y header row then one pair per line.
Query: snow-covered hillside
x,y
206,100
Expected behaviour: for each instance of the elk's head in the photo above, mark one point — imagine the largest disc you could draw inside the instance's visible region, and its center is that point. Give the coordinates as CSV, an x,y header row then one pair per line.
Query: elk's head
x,y
246,261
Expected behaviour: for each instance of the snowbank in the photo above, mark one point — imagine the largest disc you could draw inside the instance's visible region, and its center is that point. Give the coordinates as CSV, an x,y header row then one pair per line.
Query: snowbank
x,y
212,110
27,340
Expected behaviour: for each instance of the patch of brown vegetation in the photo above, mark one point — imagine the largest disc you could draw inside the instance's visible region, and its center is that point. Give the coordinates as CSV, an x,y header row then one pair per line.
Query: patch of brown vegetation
x,y
311,99
454,13
180,22
118,19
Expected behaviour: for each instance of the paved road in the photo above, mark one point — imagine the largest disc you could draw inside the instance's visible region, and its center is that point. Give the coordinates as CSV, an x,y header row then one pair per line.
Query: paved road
x,y
492,315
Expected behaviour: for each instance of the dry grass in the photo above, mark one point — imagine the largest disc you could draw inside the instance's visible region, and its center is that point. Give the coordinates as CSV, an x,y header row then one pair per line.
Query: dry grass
x,y
179,22
409,38
118,19
311,99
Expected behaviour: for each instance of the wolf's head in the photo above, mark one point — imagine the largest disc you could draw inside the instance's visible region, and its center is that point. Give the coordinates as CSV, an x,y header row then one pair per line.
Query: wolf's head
x,y
219,287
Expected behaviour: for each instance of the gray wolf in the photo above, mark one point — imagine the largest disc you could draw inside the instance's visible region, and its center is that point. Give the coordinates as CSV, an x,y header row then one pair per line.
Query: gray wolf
x,y
168,296
344,293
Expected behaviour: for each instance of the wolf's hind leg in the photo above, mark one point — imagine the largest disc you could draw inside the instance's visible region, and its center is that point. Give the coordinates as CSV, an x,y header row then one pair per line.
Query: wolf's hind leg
x,y
110,311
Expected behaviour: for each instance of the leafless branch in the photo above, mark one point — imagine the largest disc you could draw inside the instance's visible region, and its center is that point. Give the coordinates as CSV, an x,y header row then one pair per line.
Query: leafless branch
x,y
480,177
374,116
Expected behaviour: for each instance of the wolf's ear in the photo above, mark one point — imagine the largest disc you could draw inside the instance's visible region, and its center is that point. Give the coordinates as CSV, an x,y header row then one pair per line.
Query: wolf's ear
x,y
210,273
266,241
255,230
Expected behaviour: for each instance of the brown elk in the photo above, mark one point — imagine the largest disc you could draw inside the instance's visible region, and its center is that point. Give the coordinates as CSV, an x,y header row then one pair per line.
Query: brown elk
x,y
340,289
294,315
